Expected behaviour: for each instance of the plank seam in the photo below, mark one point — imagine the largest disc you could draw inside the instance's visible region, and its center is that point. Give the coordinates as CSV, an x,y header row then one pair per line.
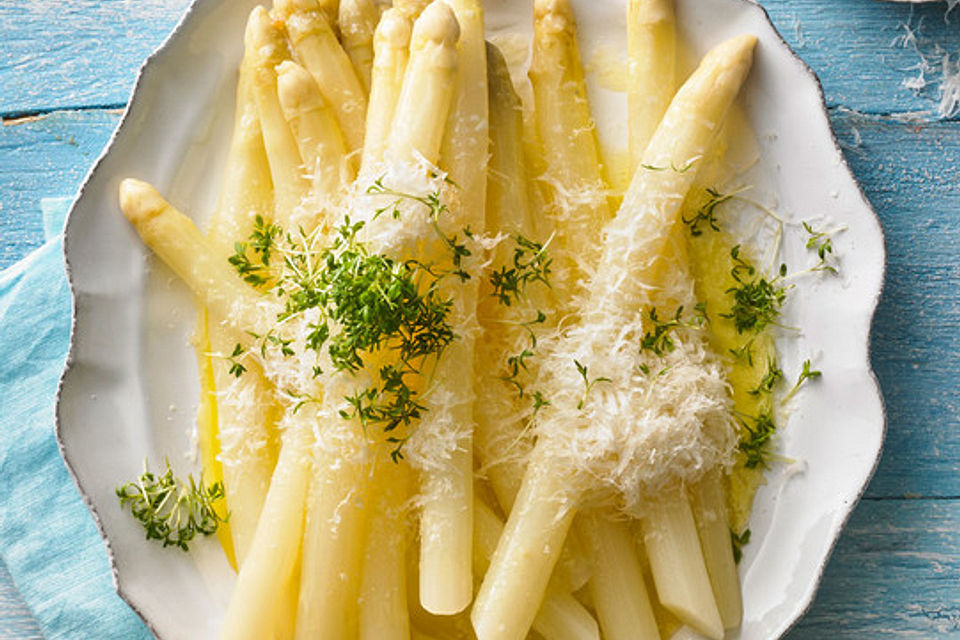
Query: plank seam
x,y
904,117
11,117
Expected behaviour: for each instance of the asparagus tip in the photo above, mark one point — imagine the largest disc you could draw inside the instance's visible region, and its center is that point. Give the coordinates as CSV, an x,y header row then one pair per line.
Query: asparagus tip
x,y
437,23
559,8
296,88
139,201
393,31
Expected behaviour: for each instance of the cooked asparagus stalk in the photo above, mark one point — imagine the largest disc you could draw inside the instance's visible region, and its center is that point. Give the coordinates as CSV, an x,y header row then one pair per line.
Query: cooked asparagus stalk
x,y
561,616
631,264
383,594
573,176
676,561
265,38
427,92
358,20
318,137
502,447
178,242
256,603
391,44
713,525
617,586
514,585
333,537
651,52
318,50
446,584
245,448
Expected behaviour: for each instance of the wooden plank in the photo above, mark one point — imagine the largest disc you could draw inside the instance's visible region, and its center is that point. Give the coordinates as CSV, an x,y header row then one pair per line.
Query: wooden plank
x,y
895,574
79,53
42,157
86,52
911,174
857,49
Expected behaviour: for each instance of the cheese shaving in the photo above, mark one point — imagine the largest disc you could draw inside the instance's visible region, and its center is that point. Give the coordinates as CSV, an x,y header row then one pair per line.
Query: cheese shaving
x,y
622,419
936,67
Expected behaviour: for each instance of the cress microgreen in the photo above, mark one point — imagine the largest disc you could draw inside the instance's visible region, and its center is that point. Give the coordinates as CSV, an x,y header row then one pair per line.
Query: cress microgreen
x,y
172,510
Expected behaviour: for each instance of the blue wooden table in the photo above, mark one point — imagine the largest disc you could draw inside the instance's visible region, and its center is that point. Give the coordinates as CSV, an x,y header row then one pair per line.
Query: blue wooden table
x,y
66,69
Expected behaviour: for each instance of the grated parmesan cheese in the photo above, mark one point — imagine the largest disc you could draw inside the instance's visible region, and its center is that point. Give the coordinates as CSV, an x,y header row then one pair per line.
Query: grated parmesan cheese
x,y
635,423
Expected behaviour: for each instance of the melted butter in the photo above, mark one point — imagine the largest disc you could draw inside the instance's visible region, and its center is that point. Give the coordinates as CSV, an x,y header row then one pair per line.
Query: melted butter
x,y
208,434
710,260
734,153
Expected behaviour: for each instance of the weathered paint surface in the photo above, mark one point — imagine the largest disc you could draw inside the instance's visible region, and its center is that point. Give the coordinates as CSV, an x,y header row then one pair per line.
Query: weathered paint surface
x,y
80,53
896,571
44,156
893,575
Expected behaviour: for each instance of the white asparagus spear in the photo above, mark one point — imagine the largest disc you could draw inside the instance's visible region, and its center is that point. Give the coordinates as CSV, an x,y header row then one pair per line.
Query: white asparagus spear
x,y
651,37
503,442
246,452
314,126
676,562
290,184
445,484
333,537
561,616
551,493
466,142
427,91
514,585
178,242
247,188
651,55
446,523
502,447
391,44
383,593
411,8
713,525
573,176
358,20
257,600
318,50
287,607
617,586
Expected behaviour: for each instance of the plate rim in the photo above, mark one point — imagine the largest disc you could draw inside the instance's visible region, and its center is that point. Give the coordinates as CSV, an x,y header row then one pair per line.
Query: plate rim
x,y
136,96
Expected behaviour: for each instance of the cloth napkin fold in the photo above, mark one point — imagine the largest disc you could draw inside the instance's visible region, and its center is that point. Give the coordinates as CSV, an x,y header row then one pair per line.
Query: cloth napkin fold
x,y
48,540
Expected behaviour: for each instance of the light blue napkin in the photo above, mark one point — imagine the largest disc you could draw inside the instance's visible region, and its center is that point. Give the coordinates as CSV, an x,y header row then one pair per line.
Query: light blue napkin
x,y
47,537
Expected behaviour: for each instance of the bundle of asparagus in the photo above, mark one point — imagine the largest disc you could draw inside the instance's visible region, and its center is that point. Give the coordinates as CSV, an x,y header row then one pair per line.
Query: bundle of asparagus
x,y
411,313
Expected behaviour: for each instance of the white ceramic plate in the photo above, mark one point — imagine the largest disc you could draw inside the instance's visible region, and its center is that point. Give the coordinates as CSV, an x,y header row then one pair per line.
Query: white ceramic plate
x,y
130,387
